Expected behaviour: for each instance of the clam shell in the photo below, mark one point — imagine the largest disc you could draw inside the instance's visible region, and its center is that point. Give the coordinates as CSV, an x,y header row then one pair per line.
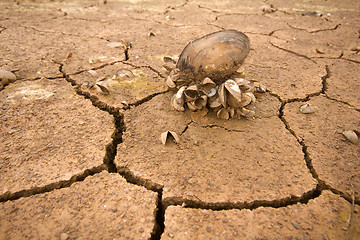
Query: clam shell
x,y
191,93
246,100
103,87
208,81
192,106
252,97
208,87
215,55
222,95
214,102
233,89
223,113
351,136
177,100
169,135
200,102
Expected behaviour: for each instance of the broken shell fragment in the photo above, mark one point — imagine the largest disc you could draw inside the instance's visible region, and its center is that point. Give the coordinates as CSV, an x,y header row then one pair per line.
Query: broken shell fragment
x,y
178,100
247,113
259,87
223,113
169,135
307,109
167,59
351,136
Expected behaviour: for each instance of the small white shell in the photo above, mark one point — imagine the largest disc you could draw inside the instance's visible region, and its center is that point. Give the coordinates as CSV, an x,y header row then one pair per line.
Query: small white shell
x,y
177,100
170,83
165,136
212,92
307,109
351,136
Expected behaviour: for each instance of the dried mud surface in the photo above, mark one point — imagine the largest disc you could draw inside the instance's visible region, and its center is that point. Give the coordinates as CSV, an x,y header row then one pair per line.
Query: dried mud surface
x,y
78,162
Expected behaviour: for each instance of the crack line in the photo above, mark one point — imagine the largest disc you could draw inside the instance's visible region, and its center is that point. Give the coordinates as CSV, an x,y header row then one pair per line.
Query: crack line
x,y
292,52
220,206
8,196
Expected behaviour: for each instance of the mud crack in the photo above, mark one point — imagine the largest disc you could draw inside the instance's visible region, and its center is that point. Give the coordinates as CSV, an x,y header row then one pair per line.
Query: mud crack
x,y
322,185
111,148
315,31
169,8
52,186
292,52
219,206
159,212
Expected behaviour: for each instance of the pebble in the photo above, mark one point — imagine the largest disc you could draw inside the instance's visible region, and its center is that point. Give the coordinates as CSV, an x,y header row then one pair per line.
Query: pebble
x,y
116,45
6,77
64,236
307,109
351,136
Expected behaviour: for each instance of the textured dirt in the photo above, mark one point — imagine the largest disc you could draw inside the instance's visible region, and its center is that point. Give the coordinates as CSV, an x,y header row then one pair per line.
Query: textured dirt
x,y
80,161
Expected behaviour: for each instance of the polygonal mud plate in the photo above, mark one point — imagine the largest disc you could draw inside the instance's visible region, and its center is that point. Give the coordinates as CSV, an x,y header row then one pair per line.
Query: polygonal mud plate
x,y
331,43
103,206
285,74
29,53
343,83
255,24
48,134
126,84
215,160
325,217
335,159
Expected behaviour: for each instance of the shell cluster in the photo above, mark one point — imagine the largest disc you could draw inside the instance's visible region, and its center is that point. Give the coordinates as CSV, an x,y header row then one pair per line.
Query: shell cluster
x,y
233,98
206,76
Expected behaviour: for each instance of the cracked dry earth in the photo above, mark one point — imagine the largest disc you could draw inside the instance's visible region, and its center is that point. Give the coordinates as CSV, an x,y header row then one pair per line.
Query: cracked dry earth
x,y
76,163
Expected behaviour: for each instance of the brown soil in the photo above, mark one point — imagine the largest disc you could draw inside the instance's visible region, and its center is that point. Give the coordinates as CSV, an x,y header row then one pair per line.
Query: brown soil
x,y
78,161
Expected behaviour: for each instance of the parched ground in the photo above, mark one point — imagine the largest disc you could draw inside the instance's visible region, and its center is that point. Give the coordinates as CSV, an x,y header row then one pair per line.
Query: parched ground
x,y
78,162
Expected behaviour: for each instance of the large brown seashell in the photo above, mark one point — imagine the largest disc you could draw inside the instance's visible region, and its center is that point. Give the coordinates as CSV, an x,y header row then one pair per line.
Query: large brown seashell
x,y
216,55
